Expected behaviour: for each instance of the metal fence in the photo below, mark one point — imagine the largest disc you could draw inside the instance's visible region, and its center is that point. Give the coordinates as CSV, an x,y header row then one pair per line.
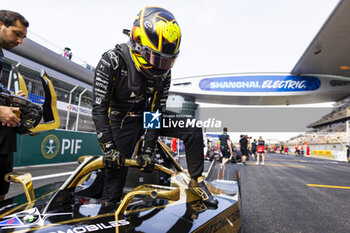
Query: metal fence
x,y
74,102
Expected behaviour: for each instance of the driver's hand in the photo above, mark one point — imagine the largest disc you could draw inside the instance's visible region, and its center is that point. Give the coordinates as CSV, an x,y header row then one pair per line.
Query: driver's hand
x,y
146,160
113,159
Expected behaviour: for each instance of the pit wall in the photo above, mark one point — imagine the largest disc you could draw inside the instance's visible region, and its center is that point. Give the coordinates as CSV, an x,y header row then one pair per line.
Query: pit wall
x,y
325,151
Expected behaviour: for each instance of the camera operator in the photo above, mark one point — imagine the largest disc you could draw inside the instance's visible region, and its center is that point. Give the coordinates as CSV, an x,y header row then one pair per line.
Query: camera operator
x,y
13,29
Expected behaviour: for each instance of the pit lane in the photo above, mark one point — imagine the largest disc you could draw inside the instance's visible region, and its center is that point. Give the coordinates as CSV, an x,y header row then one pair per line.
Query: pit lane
x,y
276,197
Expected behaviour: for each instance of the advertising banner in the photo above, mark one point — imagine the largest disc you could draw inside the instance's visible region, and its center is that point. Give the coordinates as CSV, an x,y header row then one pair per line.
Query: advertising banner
x,y
261,83
56,146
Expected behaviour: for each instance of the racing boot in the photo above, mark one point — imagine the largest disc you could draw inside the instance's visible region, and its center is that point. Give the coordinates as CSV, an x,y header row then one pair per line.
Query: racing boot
x,y
199,188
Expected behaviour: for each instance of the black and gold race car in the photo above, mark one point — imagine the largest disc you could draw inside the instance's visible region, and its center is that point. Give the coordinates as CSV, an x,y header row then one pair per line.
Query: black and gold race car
x,y
153,202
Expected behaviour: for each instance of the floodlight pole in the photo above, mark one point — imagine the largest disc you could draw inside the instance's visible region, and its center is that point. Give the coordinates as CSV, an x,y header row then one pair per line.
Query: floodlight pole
x,y
76,123
69,104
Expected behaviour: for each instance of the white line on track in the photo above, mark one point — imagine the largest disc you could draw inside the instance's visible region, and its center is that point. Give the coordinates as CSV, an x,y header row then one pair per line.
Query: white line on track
x,y
47,165
308,161
52,176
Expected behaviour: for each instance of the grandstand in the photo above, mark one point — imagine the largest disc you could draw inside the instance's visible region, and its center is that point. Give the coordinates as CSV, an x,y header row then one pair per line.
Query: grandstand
x,y
332,128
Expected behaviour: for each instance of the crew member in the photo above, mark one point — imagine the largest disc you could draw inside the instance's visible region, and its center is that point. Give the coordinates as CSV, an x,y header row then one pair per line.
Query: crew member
x,y
13,29
244,147
133,78
225,147
297,151
254,146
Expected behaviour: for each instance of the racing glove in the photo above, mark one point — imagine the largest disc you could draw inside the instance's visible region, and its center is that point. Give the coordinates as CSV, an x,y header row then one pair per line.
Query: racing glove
x,y
146,160
112,159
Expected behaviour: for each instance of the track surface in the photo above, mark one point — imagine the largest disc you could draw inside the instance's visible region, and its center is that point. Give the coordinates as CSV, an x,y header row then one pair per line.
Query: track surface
x,y
276,197
287,194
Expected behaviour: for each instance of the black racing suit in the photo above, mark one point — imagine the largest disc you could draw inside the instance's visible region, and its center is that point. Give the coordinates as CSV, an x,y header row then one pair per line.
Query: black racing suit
x,y
8,145
121,95
244,146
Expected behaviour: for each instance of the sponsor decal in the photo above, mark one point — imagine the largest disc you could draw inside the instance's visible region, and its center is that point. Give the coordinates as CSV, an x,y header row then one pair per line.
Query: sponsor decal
x,y
101,74
105,62
114,59
94,227
147,24
101,85
71,146
102,80
98,100
102,67
267,83
11,221
50,146
322,152
100,91
339,83
74,108
135,100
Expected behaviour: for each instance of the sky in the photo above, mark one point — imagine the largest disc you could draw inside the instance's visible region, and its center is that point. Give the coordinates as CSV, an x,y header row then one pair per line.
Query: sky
x,y
218,36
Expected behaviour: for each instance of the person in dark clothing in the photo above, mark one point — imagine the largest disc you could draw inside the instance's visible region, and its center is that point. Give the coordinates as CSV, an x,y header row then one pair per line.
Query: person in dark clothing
x,y
244,148
348,153
225,147
130,80
13,29
254,146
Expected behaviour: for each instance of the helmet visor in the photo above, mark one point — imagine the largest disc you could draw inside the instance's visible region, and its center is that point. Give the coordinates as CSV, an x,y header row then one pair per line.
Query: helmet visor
x,y
158,60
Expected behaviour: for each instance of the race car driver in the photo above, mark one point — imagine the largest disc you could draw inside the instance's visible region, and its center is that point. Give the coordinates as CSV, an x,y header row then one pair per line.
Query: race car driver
x,y
133,78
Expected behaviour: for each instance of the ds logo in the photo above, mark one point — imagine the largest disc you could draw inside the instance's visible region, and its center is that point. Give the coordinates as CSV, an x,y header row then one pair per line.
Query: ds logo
x,y
151,120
